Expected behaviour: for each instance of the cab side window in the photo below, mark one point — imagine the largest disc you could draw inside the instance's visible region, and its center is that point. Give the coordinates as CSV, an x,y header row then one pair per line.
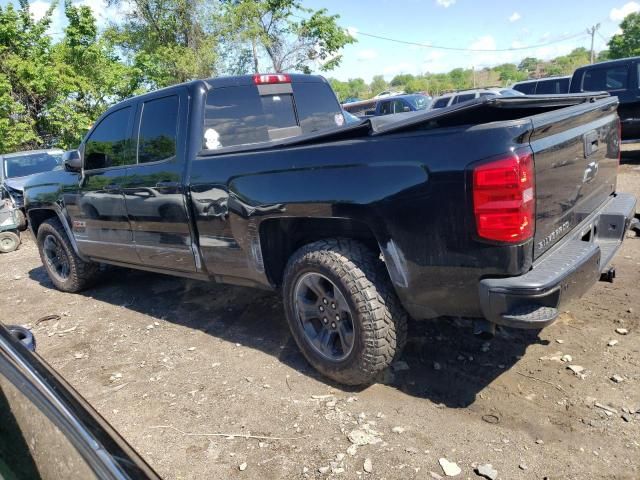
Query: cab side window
x,y
398,106
612,78
442,102
158,130
385,108
108,144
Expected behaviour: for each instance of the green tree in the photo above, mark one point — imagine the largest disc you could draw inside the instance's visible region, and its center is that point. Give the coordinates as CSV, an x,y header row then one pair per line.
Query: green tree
x,y
168,41
27,76
401,80
276,28
529,65
627,43
51,93
509,73
378,84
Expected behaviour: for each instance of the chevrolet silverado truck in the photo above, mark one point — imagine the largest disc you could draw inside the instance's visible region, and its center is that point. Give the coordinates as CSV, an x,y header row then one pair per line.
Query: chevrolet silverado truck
x,y
499,209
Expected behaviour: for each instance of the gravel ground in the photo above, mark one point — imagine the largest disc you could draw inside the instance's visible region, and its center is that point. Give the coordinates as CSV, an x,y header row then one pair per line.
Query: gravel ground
x,y
176,366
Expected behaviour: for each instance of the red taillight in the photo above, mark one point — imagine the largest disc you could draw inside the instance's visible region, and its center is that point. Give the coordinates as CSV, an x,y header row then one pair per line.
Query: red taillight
x,y
266,79
504,198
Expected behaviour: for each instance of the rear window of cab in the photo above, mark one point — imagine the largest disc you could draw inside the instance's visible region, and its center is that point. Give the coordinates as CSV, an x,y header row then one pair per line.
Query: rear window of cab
x,y
241,115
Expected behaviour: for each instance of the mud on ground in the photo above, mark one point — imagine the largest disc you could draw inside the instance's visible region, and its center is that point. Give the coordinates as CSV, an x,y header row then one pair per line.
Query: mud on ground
x,y
160,357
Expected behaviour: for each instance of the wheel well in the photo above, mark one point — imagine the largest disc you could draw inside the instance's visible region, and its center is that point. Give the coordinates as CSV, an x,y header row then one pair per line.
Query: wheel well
x,y
281,237
36,217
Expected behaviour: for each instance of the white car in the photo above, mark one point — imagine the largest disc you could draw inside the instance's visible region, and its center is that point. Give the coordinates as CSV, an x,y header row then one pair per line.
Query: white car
x,y
453,98
388,93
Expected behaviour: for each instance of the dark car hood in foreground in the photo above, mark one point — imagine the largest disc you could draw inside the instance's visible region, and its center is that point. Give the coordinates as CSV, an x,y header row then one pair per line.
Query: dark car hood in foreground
x,y
99,445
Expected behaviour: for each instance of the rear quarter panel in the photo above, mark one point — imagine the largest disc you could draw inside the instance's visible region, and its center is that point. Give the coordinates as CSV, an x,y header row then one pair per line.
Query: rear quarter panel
x,y
409,189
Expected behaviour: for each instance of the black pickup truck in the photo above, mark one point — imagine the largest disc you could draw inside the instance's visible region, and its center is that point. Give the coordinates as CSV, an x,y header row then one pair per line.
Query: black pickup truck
x,y
499,209
621,78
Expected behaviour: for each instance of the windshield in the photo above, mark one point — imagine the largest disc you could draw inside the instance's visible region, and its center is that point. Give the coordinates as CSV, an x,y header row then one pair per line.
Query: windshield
x,y
30,163
419,102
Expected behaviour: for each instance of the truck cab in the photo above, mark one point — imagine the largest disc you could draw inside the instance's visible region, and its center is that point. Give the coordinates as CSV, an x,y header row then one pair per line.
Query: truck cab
x,y
621,79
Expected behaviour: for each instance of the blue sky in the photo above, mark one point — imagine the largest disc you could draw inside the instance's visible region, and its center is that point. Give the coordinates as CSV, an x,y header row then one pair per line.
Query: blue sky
x,y
482,25
465,24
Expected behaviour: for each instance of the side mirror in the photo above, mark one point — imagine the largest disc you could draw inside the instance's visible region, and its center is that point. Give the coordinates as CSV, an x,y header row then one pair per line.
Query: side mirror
x,y
406,109
23,335
72,161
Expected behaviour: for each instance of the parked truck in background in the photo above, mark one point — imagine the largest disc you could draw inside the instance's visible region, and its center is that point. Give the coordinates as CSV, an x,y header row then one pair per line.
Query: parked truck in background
x,y
544,86
621,78
500,209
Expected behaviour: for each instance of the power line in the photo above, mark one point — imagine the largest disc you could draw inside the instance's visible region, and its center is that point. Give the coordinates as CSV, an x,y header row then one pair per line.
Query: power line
x,y
460,49
602,37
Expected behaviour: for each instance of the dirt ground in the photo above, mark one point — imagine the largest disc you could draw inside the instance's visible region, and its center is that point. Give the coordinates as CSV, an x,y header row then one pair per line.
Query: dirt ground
x,y
163,358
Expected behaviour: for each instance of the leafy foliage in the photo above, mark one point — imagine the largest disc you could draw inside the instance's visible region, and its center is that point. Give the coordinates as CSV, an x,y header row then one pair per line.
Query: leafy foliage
x,y
167,42
290,42
51,93
459,79
627,43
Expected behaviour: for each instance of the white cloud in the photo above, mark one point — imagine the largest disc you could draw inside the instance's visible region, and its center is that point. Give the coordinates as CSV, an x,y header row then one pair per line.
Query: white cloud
x,y
367,54
518,44
104,13
486,42
38,8
618,14
445,3
515,16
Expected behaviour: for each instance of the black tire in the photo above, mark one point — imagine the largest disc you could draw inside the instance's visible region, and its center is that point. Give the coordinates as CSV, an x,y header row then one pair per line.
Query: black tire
x,y
22,220
76,274
9,242
379,323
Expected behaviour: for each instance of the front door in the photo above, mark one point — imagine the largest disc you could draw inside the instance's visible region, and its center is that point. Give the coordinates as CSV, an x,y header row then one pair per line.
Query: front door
x,y
99,217
154,195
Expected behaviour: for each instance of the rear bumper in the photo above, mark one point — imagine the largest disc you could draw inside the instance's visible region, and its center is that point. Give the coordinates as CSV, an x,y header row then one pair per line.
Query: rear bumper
x,y
567,271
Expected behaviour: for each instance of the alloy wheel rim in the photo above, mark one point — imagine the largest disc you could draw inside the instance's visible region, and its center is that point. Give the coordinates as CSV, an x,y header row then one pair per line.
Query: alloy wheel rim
x,y
324,315
56,257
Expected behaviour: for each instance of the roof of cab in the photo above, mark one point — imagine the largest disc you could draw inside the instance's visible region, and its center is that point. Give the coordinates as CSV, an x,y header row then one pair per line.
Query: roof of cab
x,y
214,82
541,79
617,61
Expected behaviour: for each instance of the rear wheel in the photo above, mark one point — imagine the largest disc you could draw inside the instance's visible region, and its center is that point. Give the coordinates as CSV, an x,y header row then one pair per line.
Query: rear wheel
x,y
9,241
67,271
342,310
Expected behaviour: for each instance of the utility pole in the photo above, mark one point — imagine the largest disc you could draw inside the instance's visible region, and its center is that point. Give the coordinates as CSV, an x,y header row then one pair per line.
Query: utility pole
x,y
592,31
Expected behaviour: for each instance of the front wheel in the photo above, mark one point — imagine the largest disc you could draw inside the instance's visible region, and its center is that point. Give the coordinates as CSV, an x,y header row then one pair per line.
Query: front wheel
x,y
342,310
65,268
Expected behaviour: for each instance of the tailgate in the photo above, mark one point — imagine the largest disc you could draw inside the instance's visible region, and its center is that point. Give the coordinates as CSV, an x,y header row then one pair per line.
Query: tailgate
x,y
576,163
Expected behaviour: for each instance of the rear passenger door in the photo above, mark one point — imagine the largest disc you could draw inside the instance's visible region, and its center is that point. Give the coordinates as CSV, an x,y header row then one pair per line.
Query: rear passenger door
x,y
153,192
